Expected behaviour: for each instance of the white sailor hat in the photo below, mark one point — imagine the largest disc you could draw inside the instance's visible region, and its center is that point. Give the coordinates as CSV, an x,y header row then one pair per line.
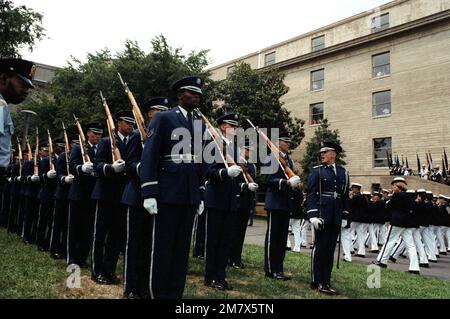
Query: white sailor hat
x,y
366,193
421,190
398,179
355,185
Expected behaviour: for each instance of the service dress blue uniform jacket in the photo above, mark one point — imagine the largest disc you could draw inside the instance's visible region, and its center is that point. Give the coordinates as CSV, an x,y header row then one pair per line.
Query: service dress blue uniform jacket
x,y
279,195
32,188
6,130
48,186
170,182
62,188
81,188
221,191
328,194
246,196
109,185
132,194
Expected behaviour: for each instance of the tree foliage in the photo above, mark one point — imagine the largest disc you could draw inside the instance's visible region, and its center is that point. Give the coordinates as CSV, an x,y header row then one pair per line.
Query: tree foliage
x,y
256,96
75,88
311,156
19,27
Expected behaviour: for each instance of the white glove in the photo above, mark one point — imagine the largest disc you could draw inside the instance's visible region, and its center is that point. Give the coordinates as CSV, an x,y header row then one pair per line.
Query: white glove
x,y
35,178
201,208
233,171
316,222
118,165
151,206
87,168
253,187
51,174
9,180
294,181
69,179
17,179
344,223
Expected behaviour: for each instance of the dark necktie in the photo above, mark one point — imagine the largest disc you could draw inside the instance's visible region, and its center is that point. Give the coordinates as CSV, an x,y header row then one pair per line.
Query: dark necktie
x,y
94,147
125,140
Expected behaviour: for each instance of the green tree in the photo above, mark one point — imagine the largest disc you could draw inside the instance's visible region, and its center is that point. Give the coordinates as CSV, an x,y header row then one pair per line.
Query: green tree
x,y
19,26
256,96
311,157
75,88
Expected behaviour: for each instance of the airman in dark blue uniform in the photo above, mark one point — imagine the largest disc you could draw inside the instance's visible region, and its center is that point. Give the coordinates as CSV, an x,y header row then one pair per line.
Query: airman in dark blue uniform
x,y
139,221
31,208
110,214
279,205
246,202
82,206
171,184
327,202
58,239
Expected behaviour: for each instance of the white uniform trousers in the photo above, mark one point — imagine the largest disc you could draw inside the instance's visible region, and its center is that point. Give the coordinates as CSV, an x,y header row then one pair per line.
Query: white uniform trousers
x,y
394,234
440,238
295,226
383,233
346,241
419,246
398,249
447,234
429,242
373,240
361,233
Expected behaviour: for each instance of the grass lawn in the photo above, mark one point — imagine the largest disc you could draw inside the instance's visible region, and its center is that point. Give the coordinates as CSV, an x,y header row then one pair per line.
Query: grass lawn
x,y
27,273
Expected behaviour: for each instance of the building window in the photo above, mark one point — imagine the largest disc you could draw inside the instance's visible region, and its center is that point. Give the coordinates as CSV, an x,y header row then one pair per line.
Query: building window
x,y
381,64
269,59
380,23
316,111
318,43
381,148
317,79
230,69
381,102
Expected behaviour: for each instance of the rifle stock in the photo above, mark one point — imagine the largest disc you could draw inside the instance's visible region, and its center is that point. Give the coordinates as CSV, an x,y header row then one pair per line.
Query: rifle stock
x,y
140,123
82,140
111,131
36,153
50,151
66,148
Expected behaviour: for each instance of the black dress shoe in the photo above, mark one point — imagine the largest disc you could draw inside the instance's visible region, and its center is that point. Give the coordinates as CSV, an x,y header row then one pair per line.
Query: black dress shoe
x,y
432,261
425,265
362,256
132,295
380,264
226,284
394,260
326,290
416,272
442,253
102,280
238,265
217,285
55,256
278,276
113,279
288,249
314,285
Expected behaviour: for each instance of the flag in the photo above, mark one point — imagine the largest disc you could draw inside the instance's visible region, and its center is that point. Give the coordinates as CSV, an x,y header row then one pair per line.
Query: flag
x,y
397,160
418,164
444,171
445,160
403,161
406,161
387,157
428,162
431,161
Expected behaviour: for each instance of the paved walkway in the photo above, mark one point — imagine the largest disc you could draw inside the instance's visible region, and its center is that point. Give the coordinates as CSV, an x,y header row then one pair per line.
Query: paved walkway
x,y
255,235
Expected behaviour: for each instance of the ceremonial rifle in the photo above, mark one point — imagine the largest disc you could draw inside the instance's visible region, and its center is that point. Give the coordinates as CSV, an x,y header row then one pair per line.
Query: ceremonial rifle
x,y
82,139
66,147
111,131
50,151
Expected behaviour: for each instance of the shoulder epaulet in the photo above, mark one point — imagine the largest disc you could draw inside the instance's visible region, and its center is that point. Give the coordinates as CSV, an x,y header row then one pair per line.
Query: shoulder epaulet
x,y
318,166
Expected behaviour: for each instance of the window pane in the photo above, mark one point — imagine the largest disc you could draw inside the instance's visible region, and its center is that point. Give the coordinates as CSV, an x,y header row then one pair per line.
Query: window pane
x,y
316,111
381,64
380,23
381,103
381,59
318,43
317,80
269,59
381,148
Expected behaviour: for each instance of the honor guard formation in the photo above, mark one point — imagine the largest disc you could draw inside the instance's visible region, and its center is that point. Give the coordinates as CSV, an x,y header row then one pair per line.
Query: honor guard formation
x,y
87,198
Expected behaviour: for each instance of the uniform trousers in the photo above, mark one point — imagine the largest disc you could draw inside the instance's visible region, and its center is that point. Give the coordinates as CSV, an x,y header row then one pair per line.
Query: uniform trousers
x,y
419,246
346,242
373,240
429,242
13,214
30,217
394,234
295,228
440,238
323,253
137,251
239,228
361,232
80,230
44,224
275,240
58,239
5,207
219,224
109,237
171,238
